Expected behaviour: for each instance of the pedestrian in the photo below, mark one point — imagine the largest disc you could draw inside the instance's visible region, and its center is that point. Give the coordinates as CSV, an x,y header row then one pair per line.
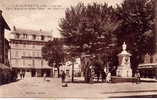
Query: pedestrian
x,y
63,76
137,76
23,74
20,74
92,74
44,75
108,78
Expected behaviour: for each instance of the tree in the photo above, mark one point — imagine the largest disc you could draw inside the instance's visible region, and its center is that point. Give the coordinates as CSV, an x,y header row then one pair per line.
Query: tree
x,y
136,28
89,28
53,53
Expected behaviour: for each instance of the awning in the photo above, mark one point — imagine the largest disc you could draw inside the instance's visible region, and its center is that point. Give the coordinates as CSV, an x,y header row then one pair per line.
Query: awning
x,y
32,67
148,66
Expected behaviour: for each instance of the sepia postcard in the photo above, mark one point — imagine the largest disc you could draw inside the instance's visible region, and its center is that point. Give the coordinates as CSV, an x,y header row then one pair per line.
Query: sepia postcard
x,y
84,49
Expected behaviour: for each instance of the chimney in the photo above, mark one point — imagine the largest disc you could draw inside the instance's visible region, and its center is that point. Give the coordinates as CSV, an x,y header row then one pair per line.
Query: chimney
x,y
14,28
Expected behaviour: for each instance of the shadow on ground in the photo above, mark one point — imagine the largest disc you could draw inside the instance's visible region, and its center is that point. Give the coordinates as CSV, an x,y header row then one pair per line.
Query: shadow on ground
x,y
9,82
136,96
130,91
83,82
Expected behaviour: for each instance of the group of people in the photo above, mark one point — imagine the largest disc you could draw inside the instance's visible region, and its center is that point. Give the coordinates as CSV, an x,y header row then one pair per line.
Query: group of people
x,y
97,74
22,74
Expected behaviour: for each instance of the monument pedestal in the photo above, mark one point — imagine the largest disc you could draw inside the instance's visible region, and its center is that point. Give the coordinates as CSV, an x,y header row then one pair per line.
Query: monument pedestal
x,y
125,72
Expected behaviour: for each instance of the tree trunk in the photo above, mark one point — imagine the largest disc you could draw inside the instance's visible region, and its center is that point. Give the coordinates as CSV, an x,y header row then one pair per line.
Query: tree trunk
x,y
72,72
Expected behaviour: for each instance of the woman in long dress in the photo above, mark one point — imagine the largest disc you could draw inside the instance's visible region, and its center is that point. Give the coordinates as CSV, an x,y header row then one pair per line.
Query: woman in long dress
x,y
108,78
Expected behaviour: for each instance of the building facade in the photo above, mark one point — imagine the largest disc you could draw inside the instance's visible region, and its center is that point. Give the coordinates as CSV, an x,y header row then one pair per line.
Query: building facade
x,y
26,51
3,42
67,67
149,67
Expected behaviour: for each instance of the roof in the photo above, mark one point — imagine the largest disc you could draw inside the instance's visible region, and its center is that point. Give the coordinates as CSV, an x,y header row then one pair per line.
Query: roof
x,y
32,32
3,23
148,64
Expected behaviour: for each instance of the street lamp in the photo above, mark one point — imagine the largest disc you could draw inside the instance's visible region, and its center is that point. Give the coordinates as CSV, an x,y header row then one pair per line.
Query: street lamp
x,y
73,60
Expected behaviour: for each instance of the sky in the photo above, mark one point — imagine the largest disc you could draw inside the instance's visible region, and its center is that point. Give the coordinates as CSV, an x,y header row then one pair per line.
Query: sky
x,y
40,14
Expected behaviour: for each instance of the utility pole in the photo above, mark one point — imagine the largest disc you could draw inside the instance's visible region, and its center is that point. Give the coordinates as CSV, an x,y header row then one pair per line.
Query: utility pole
x,y
73,61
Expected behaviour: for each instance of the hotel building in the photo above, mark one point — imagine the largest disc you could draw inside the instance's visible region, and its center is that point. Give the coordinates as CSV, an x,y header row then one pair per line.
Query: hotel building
x,y
25,52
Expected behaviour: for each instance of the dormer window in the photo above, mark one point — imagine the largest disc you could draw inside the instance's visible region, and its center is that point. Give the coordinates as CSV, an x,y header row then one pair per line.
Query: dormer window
x,y
25,36
42,37
17,36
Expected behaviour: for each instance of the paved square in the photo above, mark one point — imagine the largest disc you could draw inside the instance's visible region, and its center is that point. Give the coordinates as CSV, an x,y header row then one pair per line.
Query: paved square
x,y
37,87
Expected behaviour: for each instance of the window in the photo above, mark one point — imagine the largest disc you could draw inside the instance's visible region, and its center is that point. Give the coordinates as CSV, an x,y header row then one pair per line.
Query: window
x,y
24,54
29,54
34,37
24,36
39,54
16,62
23,62
42,37
33,54
16,53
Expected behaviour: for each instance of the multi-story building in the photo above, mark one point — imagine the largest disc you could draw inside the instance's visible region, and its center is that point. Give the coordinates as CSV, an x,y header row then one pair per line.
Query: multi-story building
x,y
4,46
25,52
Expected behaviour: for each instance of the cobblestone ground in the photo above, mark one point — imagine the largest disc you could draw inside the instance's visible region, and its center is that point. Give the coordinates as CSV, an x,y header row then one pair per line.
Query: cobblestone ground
x,y
37,87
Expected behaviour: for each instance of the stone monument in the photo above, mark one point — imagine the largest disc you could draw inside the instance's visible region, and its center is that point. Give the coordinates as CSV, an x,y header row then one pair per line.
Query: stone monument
x,y
124,69
147,58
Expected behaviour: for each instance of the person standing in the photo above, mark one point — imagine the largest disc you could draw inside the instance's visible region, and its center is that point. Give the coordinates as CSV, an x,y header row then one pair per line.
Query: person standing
x,y
23,73
137,76
44,75
63,76
108,78
20,74
92,74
